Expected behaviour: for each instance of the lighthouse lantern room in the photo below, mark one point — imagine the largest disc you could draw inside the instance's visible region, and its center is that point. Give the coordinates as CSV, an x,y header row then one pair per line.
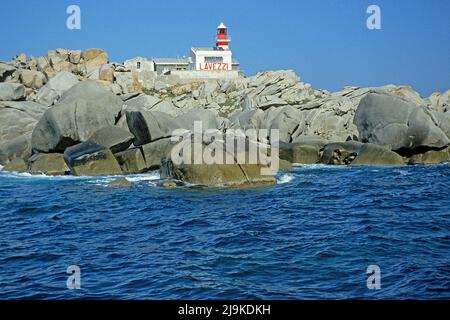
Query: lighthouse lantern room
x,y
222,40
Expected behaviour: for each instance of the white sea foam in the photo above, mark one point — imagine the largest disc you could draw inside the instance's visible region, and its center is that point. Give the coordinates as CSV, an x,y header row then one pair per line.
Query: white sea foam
x,y
317,166
1,167
285,178
26,175
96,180
105,180
154,175
402,172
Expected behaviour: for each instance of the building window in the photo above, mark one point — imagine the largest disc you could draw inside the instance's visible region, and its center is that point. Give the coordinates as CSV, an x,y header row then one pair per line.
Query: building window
x,y
138,65
213,59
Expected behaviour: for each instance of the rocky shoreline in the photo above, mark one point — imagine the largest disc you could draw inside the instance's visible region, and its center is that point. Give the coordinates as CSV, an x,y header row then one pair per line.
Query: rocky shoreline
x,y
74,112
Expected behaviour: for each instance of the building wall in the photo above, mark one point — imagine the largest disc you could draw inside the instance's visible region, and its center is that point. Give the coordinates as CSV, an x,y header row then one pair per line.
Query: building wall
x,y
161,68
143,64
197,74
203,60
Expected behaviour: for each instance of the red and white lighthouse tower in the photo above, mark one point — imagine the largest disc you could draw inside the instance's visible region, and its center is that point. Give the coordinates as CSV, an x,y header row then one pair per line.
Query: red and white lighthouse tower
x,y
222,40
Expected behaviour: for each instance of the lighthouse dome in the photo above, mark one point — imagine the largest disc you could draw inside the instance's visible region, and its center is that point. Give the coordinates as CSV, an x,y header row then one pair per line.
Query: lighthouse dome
x,y
221,26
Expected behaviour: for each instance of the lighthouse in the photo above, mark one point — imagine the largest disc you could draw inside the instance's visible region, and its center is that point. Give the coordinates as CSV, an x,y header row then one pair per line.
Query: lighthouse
x,y
212,62
222,40
214,59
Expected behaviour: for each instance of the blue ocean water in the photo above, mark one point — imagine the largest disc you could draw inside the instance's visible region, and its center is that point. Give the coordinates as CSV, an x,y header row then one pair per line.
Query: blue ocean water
x,y
312,236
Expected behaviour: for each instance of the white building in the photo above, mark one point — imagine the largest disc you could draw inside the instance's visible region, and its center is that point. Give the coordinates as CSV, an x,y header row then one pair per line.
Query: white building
x,y
210,59
211,62
218,58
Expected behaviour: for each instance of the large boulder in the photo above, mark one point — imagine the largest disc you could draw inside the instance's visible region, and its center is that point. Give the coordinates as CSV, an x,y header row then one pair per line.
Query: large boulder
x,y
131,161
91,159
207,118
359,154
106,73
443,121
32,78
55,87
6,71
148,126
19,147
16,165
48,163
299,153
94,58
340,153
374,155
431,157
284,119
154,151
387,119
153,103
18,118
115,138
12,91
82,110
75,56
439,102
250,119
235,173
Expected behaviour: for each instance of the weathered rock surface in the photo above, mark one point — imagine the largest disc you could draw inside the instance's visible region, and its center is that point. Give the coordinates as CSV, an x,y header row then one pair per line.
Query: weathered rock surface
x,y
121,182
299,153
374,155
131,161
94,58
19,147
431,157
391,120
82,110
207,118
234,175
442,120
17,120
284,119
153,103
16,165
90,159
340,153
115,138
148,126
12,91
48,163
106,73
55,87
6,71
32,78
154,151
358,154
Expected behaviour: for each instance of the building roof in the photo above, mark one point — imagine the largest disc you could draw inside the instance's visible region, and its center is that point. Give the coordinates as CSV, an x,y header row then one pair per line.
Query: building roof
x,y
212,49
170,61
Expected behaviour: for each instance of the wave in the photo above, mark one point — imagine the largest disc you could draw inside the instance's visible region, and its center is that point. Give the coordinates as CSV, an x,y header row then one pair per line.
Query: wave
x,y
285,178
150,176
318,166
26,175
154,175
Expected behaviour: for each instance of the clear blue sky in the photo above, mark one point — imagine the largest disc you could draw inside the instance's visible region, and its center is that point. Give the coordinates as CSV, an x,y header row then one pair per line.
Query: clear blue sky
x,y
326,42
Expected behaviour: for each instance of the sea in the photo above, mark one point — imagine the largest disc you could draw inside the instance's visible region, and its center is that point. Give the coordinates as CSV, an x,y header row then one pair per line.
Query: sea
x,y
322,232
